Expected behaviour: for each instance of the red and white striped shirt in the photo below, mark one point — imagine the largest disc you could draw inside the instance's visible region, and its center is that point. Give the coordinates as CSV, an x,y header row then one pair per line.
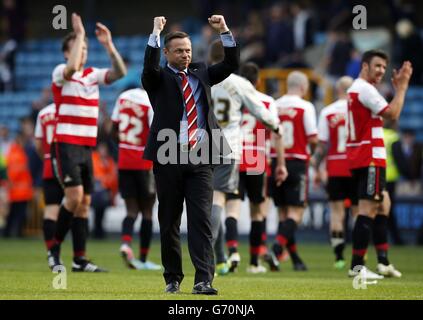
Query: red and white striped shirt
x,y
333,131
256,137
44,130
133,113
298,118
365,146
77,102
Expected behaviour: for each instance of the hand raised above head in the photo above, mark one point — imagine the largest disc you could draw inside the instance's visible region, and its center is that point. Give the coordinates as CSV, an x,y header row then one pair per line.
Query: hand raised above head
x,y
218,23
159,23
77,25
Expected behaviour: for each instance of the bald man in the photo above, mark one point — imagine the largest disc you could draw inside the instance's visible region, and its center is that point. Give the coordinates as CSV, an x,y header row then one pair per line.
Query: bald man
x,y
298,118
332,136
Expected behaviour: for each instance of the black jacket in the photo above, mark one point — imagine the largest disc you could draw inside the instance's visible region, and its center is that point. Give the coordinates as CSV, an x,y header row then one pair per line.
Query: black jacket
x,y
165,93
409,167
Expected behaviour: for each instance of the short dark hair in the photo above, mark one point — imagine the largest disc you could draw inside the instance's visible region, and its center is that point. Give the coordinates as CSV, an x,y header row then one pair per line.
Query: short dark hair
x,y
369,55
174,35
250,71
216,53
68,38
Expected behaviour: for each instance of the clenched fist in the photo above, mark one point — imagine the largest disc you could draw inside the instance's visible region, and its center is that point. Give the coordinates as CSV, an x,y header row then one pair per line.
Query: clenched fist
x,y
159,23
218,23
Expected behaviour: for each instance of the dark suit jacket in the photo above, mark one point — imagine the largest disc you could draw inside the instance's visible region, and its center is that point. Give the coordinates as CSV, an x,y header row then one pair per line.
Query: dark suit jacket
x,y
165,93
409,167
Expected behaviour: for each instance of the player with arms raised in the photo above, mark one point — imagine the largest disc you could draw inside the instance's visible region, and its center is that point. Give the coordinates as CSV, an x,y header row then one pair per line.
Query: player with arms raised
x,y
76,95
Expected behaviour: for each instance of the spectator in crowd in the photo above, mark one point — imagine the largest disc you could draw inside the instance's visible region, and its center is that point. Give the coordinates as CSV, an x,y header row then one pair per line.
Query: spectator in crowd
x,y
279,34
14,19
392,176
3,191
19,187
7,52
251,38
45,99
409,46
408,155
303,25
105,186
13,23
339,53
200,49
4,140
354,65
35,163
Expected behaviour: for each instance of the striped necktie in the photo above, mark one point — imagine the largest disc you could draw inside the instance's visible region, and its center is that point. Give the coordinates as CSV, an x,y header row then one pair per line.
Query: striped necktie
x,y
191,110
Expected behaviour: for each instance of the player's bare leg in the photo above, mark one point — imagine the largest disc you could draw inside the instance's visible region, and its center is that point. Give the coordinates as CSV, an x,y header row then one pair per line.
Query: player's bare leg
x,y
232,214
380,239
337,236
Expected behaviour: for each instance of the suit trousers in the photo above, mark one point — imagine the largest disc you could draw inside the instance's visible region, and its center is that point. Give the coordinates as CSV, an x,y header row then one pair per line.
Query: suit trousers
x,y
194,184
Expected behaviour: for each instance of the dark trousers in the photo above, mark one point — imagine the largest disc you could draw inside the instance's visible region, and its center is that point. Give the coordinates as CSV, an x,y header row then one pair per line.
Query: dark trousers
x,y
16,219
392,220
192,183
101,200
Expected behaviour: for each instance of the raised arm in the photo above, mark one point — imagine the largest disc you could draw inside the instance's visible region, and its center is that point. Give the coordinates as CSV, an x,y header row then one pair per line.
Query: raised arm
x,y
220,71
118,69
151,72
400,80
75,56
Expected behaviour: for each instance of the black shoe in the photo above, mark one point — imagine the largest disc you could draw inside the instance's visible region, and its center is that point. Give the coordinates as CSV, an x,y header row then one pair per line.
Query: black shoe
x,y
300,266
204,288
85,265
172,287
273,262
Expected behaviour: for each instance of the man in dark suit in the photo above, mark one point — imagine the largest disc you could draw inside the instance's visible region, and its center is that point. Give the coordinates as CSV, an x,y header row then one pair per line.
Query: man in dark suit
x,y
180,96
408,156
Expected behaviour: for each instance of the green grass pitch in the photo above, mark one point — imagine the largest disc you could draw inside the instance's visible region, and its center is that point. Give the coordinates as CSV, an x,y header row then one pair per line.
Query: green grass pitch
x,y
24,275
